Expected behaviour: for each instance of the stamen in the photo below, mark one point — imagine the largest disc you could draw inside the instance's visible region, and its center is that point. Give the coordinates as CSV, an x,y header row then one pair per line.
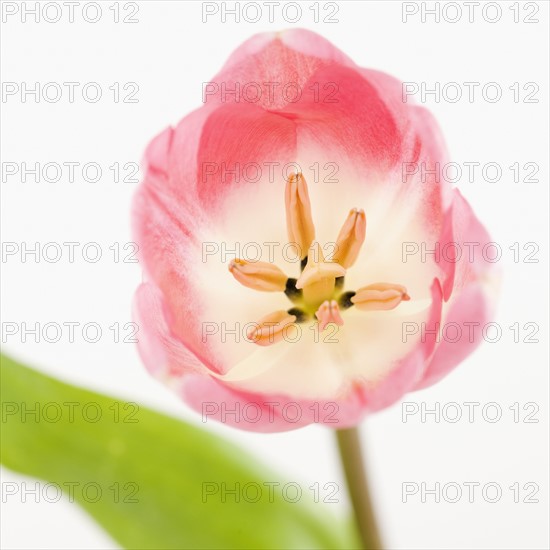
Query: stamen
x,y
258,275
344,301
294,294
301,316
320,286
301,230
272,328
327,313
380,296
350,238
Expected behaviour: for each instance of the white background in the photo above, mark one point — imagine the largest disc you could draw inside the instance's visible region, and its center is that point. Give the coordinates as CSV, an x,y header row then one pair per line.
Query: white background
x,y
169,53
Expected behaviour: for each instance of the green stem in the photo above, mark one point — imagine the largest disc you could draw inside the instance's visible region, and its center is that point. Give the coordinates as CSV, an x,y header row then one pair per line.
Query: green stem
x,y
349,445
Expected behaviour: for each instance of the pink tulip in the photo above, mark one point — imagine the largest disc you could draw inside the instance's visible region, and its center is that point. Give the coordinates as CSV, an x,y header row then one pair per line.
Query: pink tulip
x,y
355,311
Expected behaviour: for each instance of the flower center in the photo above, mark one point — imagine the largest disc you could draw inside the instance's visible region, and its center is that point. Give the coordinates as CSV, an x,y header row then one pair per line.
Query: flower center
x,y
319,291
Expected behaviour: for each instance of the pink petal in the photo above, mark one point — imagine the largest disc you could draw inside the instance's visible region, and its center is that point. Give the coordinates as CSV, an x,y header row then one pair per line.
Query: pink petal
x,y
236,135
466,287
470,307
291,56
468,229
252,412
270,413
162,352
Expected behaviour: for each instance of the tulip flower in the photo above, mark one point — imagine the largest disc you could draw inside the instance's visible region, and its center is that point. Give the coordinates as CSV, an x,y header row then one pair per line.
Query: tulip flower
x,y
302,256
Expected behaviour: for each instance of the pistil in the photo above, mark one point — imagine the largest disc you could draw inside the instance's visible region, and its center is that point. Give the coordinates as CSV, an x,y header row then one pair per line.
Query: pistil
x,y
317,281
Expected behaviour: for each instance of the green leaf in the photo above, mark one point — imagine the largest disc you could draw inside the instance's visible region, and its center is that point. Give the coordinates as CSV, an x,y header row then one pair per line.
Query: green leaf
x,y
149,471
